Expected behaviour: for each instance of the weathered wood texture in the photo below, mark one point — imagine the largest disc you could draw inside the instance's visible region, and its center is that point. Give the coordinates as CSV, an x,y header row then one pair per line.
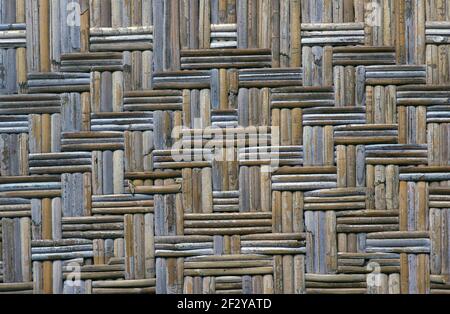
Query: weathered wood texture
x,y
352,98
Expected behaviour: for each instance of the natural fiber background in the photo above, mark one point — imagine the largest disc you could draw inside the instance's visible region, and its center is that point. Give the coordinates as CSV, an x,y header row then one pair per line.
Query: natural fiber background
x,y
91,200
